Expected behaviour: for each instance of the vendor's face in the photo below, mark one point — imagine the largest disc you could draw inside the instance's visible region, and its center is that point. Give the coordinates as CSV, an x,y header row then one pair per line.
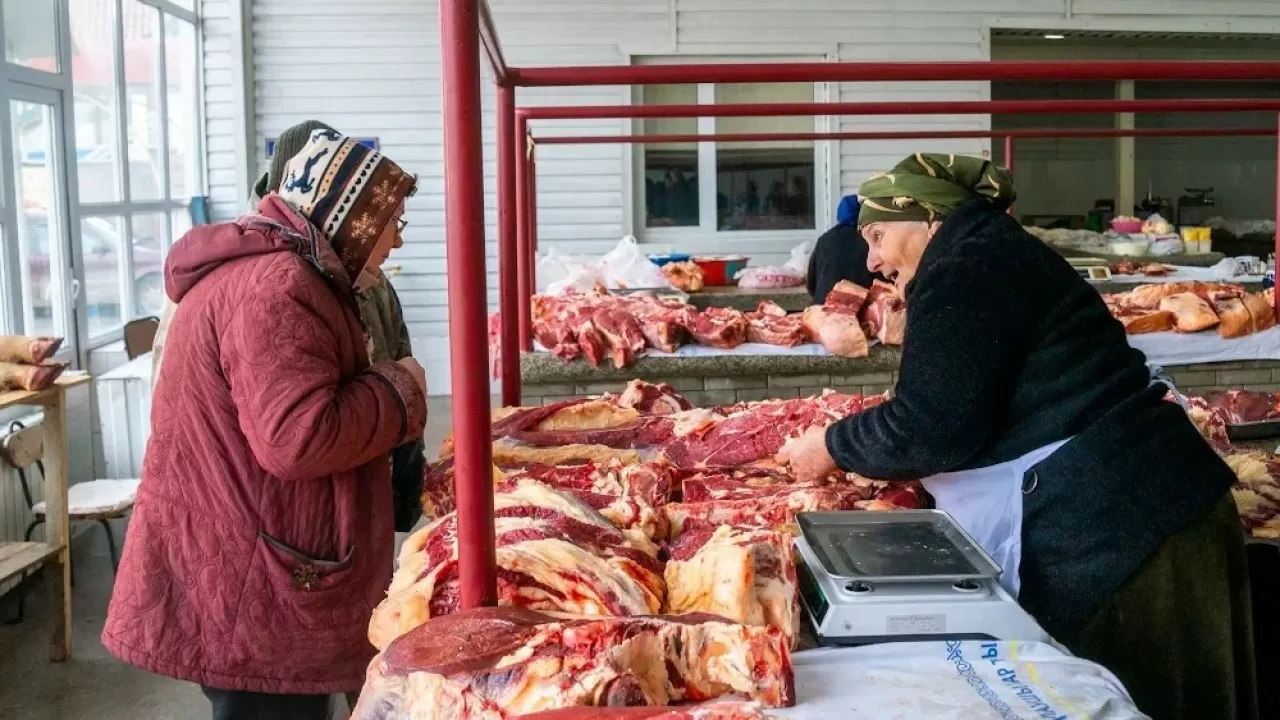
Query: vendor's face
x,y
389,240
895,248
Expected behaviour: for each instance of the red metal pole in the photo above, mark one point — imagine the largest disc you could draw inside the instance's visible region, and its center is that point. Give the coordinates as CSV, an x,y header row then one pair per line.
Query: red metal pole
x,y
493,48
468,346
1008,160
1277,249
950,107
508,262
524,259
909,135
891,72
533,218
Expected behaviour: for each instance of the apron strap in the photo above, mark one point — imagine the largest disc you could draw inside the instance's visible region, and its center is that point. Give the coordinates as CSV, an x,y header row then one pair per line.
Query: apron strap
x,y
1160,377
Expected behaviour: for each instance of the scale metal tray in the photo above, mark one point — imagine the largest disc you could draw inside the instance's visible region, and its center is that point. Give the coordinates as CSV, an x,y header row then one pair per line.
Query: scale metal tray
x,y
899,546
1260,430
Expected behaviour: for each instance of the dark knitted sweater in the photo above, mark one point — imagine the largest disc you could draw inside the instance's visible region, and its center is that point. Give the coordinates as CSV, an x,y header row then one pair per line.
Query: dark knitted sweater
x,y
1008,349
840,254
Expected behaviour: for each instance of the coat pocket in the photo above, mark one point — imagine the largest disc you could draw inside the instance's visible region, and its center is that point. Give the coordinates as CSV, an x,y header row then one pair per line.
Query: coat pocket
x,y
290,568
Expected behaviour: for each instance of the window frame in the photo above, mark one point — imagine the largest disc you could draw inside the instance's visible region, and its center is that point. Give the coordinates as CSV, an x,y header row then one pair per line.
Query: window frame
x,y
706,235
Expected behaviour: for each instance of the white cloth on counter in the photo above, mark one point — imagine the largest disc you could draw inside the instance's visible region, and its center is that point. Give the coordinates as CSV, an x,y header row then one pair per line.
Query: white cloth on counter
x,y
951,680
1183,273
1171,348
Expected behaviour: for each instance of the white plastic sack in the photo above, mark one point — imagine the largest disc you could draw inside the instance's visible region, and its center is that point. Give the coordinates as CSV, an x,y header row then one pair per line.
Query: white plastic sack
x,y
767,276
560,274
799,261
627,268
954,680
1226,269
1171,245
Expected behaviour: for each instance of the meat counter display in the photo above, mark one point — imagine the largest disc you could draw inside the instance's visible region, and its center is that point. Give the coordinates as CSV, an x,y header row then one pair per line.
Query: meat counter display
x,y
645,557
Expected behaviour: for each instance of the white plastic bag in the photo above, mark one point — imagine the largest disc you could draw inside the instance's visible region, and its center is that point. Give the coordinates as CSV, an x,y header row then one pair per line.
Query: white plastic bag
x,y
627,268
799,261
560,274
1162,246
759,278
1226,269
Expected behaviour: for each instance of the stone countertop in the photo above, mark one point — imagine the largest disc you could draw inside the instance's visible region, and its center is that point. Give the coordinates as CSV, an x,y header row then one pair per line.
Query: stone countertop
x,y
538,367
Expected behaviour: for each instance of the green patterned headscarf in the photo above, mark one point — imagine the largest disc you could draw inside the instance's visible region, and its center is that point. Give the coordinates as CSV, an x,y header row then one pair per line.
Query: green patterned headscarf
x,y
929,186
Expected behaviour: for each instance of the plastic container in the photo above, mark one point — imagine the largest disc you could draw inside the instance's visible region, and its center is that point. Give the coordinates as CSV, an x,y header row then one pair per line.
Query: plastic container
x,y
718,270
1126,226
1130,247
661,260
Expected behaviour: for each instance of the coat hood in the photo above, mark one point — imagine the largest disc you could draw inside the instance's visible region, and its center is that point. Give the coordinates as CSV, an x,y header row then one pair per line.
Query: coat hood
x,y
276,228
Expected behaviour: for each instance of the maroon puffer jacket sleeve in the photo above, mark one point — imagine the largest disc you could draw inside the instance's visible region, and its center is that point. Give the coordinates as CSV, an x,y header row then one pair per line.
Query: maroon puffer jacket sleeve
x,y
301,418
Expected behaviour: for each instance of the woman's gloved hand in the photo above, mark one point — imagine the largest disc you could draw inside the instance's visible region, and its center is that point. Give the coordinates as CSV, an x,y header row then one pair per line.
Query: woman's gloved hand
x,y
808,457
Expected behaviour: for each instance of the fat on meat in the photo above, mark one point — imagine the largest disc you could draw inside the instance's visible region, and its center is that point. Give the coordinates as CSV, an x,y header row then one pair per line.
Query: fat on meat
x,y
771,325
1191,313
836,329
504,662
718,327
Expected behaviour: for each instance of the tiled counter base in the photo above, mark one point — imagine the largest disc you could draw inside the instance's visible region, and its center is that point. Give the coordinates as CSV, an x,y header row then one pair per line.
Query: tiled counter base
x,y
729,379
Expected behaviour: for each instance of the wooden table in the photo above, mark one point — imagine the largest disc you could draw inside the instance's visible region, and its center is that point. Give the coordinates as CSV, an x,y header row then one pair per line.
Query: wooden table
x,y
54,555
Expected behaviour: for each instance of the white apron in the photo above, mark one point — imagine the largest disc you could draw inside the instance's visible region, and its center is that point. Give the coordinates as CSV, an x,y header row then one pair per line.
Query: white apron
x,y
987,503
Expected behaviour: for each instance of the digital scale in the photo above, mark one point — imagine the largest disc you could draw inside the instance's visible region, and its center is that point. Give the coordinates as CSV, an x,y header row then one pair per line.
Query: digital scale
x,y
907,575
1091,269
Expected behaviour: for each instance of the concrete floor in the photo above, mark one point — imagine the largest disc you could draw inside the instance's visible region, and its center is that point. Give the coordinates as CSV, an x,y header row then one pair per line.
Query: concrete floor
x,y
94,684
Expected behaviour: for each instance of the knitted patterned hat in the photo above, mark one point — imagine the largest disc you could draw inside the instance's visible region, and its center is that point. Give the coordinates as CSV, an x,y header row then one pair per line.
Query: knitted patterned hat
x,y
348,192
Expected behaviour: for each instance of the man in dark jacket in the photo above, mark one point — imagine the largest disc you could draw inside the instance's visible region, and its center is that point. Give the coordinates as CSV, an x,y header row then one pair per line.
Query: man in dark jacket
x,y
840,254
383,319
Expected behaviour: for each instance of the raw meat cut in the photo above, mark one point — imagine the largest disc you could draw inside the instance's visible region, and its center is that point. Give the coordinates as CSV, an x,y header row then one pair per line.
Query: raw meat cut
x,y
1149,296
1244,406
506,453
644,432
14,376
1140,322
686,276
744,574
884,316
554,553
628,496
500,663
621,333
847,295
662,321
28,350
836,329
1209,422
718,327
1191,312
758,430
771,325
774,508
719,710
652,399
1257,492
1244,316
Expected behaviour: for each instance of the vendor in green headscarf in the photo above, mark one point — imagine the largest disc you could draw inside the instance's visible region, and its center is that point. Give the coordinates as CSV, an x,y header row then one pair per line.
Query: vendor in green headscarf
x,y
1034,424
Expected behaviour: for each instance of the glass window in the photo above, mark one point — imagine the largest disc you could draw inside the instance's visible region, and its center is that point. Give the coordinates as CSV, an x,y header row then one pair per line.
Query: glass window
x,y
765,185
182,95
149,232
670,169
93,80
102,248
180,223
42,239
31,33
142,92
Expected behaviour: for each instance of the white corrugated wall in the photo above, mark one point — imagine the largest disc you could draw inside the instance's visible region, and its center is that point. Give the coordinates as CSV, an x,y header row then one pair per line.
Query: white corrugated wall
x,y
372,69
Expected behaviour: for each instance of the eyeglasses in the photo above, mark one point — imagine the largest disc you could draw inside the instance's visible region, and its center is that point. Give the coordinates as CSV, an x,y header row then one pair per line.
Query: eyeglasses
x,y
401,224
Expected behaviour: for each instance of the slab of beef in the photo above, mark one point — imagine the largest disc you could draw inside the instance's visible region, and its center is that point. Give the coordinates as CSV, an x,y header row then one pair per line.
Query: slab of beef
x,y
718,327
837,329
1244,406
719,710
500,663
554,553
774,508
643,432
628,496
1191,313
1244,315
846,294
771,325
621,333
884,316
1257,492
1210,423
652,399
756,431
744,574
1149,296
661,321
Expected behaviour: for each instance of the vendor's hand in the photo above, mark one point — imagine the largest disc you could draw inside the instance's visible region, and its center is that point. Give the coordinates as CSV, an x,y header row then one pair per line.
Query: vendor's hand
x,y
415,369
808,457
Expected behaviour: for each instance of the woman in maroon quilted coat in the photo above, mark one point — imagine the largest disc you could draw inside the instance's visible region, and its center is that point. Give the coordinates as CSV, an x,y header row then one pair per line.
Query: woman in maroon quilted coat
x,y
262,536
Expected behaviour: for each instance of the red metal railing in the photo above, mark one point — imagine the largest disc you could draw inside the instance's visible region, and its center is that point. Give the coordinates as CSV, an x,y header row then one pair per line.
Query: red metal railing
x,y
467,25
1008,135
